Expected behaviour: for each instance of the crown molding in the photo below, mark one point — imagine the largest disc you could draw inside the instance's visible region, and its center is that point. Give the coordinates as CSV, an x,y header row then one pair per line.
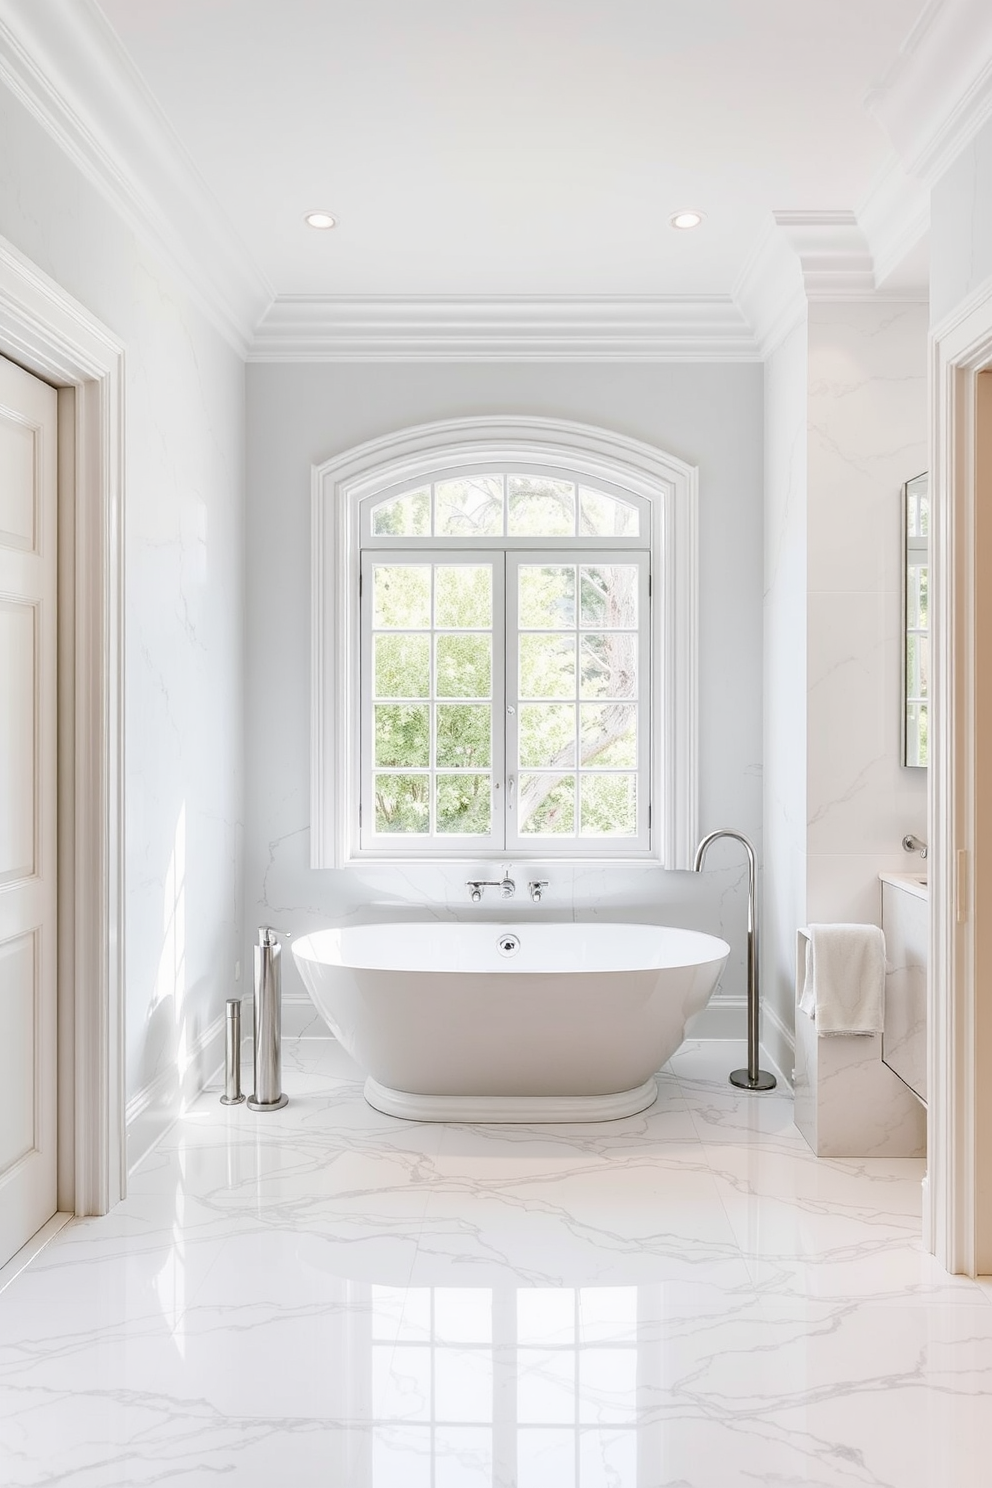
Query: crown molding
x,y
66,65
894,216
770,290
937,94
304,328
801,259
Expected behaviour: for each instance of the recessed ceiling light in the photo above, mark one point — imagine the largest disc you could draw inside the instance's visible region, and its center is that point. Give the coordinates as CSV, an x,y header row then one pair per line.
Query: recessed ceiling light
x,y
320,219
686,219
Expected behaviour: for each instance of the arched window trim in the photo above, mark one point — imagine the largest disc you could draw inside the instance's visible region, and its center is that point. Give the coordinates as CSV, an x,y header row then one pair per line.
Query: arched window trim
x,y
341,491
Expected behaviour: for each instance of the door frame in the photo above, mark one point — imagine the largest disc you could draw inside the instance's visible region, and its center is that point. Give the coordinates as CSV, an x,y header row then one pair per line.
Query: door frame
x,y
50,334
958,1214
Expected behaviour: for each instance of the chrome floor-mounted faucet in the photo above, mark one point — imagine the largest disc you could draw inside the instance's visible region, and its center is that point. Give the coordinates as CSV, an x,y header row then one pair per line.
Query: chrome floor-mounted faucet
x,y
751,1078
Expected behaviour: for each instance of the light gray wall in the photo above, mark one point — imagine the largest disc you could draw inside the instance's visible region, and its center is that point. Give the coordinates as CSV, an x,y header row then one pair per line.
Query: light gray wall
x,y
300,415
786,435
961,227
183,591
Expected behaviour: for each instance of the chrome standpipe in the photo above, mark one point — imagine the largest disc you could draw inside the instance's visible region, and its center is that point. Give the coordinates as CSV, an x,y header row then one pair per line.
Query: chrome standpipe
x,y
751,1078
232,1055
268,1094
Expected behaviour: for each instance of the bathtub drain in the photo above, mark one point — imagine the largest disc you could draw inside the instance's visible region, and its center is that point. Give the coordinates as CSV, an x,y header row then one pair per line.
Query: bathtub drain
x,y
508,945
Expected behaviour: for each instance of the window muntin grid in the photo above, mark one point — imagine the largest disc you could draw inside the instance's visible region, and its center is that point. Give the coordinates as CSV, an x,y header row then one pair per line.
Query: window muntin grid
x,y
461,665
480,505
532,1386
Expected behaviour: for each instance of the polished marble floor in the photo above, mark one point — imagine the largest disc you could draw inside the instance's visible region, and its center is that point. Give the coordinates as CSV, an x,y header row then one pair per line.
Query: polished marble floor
x,y
326,1296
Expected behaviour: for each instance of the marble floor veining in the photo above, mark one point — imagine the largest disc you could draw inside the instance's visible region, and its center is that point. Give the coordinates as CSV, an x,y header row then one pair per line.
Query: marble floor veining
x,y
326,1296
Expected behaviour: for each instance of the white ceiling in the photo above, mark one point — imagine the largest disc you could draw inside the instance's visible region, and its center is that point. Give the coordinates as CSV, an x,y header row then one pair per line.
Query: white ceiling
x,y
517,147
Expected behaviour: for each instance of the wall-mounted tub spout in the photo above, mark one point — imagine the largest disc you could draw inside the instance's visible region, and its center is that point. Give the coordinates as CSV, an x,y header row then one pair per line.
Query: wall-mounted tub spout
x,y
268,1094
506,886
751,1078
913,844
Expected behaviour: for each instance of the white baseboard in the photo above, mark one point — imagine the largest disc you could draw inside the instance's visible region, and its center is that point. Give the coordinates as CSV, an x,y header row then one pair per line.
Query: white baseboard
x,y
721,1018
300,1019
778,1045
152,1109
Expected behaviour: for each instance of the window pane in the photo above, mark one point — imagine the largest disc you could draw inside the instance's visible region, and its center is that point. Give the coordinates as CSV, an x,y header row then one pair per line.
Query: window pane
x,y
402,596
402,803
546,597
402,736
404,516
609,805
605,516
608,1314
547,735
463,596
545,1385
401,666
472,507
545,1315
547,805
609,666
609,735
463,1455
464,666
463,736
546,1458
547,666
608,596
463,1314
539,507
464,804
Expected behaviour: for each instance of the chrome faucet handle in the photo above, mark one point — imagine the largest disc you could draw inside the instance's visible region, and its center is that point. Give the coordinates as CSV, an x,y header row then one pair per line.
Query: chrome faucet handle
x,y
507,888
537,887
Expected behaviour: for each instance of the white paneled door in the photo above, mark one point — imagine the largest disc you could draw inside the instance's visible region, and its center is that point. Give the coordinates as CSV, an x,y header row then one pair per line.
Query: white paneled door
x,y
28,586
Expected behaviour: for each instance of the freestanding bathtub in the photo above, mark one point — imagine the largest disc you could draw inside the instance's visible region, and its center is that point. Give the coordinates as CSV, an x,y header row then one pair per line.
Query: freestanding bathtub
x,y
510,1022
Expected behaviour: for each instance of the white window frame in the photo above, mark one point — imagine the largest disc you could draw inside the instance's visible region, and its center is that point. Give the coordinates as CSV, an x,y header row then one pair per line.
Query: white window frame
x,y
341,488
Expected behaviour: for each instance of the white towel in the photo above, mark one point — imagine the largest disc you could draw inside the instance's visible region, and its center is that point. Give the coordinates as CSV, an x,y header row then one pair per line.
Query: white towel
x,y
844,990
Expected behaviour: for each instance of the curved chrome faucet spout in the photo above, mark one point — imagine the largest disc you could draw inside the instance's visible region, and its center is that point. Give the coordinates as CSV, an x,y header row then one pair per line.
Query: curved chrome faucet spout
x,y
753,1078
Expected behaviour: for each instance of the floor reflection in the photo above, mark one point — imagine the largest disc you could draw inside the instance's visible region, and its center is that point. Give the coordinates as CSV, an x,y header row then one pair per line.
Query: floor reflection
x,y
474,1386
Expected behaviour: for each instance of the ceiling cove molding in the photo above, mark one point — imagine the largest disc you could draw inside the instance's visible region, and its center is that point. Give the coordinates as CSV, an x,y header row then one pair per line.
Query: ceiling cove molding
x,y
937,94
303,328
804,258
64,62
894,216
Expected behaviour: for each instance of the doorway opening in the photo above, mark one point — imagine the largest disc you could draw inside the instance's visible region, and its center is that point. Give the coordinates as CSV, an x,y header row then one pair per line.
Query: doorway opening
x,y
47,333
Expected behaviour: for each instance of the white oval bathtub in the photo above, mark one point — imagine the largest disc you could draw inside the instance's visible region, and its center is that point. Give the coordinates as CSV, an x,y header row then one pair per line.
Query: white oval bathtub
x,y
570,1025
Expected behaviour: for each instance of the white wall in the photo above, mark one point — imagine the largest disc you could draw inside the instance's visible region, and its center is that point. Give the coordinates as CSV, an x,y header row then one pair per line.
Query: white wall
x,y
867,436
708,415
184,614
784,898
846,426
961,227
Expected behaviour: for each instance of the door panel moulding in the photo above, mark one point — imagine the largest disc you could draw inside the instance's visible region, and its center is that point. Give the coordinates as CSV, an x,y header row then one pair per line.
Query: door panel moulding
x,y
50,334
958,1221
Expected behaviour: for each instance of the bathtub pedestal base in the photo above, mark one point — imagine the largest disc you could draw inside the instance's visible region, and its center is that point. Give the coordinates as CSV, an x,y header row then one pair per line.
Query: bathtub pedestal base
x,y
533,1110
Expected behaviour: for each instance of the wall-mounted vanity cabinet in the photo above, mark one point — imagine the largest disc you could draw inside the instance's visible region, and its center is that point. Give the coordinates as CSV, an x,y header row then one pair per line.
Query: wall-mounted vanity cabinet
x,y
905,922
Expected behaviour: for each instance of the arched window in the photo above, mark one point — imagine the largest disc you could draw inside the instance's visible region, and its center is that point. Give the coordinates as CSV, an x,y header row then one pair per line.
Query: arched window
x,y
503,647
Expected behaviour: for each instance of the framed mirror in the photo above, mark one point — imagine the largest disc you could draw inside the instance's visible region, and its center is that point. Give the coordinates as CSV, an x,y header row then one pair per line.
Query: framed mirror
x,y
916,620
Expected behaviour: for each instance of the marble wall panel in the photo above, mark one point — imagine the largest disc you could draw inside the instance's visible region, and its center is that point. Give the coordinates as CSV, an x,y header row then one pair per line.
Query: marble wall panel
x,y
184,604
